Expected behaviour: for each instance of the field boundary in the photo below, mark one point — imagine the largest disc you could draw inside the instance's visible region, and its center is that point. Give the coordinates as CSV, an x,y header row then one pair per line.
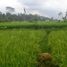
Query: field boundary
x,y
55,27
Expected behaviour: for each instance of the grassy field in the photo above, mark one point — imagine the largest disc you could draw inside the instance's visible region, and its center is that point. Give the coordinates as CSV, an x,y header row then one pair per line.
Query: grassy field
x,y
33,25
20,47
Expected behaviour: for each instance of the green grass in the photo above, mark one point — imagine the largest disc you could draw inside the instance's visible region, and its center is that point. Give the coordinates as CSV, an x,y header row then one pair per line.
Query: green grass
x,y
58,43
32,23
20,47
26,24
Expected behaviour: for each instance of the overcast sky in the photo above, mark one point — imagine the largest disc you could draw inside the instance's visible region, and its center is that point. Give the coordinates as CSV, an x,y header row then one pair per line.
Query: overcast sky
x,y
48,8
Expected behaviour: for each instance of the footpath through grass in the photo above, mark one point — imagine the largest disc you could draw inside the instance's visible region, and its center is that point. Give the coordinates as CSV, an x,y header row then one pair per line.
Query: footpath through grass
x,y
20,47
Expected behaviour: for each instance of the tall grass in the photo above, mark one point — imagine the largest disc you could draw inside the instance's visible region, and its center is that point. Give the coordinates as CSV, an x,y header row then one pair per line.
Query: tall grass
x,y
33,25
58,43
20,47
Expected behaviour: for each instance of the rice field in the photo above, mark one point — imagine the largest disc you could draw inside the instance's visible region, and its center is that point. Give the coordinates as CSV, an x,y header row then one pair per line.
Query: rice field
x,y
20,47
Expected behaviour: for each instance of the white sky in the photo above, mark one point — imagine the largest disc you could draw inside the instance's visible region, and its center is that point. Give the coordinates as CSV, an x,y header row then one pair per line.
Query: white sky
x,y
43,7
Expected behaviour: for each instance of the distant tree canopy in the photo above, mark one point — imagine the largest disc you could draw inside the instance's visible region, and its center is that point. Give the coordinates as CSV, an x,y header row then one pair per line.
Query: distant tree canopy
x,y
63,17
10,15
20,17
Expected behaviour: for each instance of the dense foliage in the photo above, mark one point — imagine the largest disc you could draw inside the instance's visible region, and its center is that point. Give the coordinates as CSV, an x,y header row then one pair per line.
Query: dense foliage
x,y
20,17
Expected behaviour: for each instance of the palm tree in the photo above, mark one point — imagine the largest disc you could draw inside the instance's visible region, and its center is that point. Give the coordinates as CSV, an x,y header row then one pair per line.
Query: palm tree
x,y
60,14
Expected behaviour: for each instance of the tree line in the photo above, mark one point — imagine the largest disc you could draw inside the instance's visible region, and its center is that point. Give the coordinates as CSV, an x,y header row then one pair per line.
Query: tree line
x,y
20,17
10,15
